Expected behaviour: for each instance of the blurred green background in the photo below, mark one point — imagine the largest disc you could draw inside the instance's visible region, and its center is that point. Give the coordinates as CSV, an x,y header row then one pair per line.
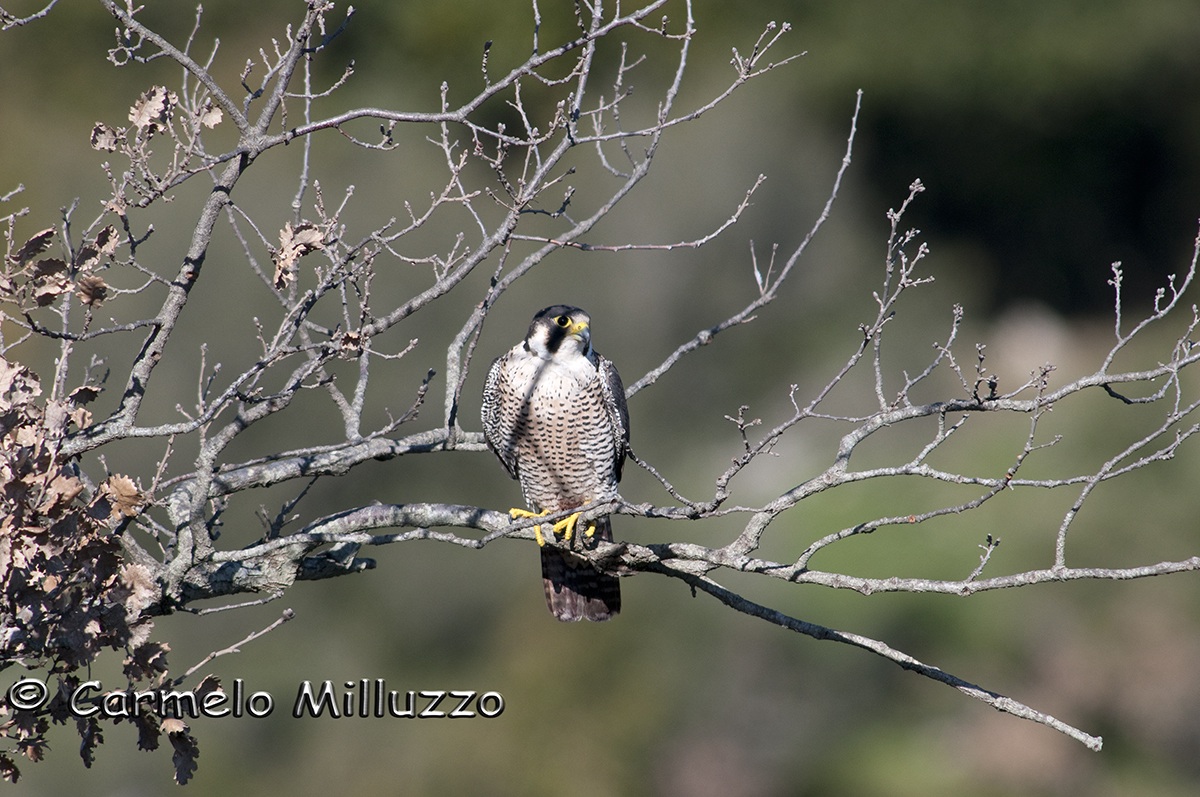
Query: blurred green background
x,y
1053,139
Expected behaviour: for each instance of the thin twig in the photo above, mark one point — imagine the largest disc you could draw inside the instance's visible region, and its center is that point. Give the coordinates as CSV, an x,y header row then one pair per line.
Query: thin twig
x,y
236,647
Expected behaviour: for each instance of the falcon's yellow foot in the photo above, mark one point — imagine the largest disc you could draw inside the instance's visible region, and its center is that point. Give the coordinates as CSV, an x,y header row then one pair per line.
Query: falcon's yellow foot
x,y
567,525
515,513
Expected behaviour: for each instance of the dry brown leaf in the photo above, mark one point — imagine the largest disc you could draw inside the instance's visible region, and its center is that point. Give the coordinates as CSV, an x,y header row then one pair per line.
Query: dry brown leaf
x,y
48,267
143,592
33,247
5,555
153,110
173,725
50,280
123,494
208,684
91,290
18,385
33,749
84,394
60,492
351,344
294,243
81,417
107,240
185,755
145,661
8,769
210,116
29,437
148,730
104,138
284,275
90,737
139,630
87,257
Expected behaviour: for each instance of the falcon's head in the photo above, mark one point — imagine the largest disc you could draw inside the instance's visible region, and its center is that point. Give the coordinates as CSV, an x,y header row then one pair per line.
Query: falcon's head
x,y
560,331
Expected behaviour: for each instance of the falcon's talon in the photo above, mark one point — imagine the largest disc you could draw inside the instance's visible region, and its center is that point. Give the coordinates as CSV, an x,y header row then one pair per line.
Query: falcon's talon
x,y
515,513
566,526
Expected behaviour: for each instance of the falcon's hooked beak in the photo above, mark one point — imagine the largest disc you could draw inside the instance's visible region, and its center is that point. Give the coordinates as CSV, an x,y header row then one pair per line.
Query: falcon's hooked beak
x,y
583,333
580,330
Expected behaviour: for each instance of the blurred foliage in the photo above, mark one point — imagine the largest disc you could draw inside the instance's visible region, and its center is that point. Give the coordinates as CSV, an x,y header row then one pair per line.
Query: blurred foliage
x,y
1053,139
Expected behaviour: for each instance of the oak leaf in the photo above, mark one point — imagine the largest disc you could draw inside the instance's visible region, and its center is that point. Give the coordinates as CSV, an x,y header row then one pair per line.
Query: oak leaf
x,y
84,394
186,753
123,495
91,290
153,110
107,240
50,280
294,243
105,138
33,247
210,116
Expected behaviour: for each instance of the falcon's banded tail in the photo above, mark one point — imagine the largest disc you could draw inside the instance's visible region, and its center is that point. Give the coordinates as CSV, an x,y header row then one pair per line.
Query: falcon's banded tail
x,y
574,589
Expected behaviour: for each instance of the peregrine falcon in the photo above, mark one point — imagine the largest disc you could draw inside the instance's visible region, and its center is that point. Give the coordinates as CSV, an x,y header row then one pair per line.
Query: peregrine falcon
x,y
554,412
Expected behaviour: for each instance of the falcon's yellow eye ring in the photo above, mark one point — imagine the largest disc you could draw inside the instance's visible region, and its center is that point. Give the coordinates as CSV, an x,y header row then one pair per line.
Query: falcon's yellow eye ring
x,y
563,321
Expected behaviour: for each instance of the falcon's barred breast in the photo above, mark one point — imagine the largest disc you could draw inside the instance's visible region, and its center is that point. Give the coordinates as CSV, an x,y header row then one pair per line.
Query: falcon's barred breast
x,y
554,412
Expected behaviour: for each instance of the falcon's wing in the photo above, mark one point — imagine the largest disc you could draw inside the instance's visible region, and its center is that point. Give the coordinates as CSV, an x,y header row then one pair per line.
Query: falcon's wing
x,y
614,404
497,424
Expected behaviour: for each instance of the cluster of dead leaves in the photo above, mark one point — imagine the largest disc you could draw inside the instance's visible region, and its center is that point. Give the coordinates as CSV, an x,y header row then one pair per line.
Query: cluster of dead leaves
x,y
65,592
29,279
151,115
295,243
